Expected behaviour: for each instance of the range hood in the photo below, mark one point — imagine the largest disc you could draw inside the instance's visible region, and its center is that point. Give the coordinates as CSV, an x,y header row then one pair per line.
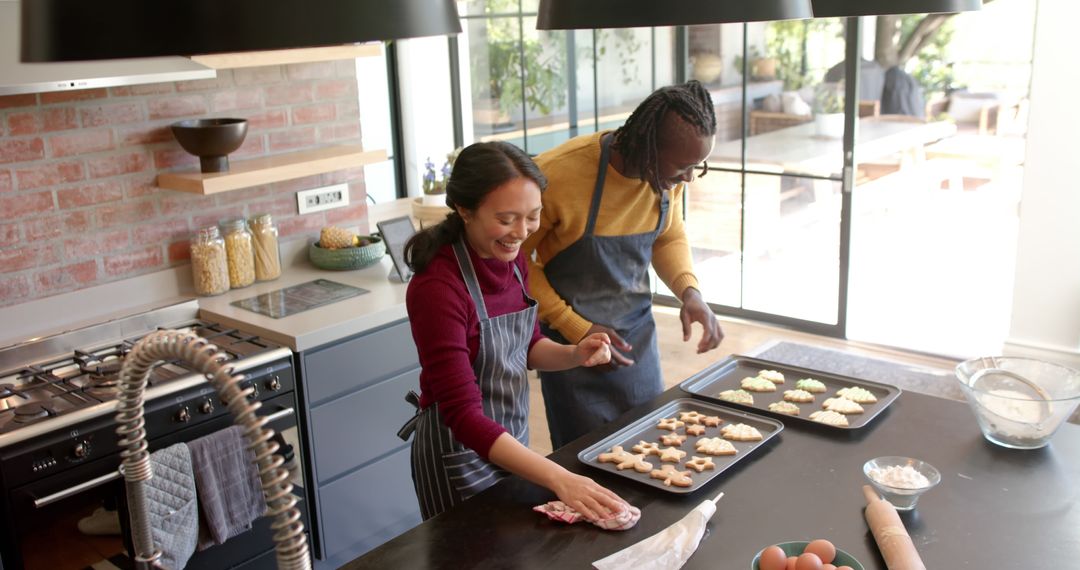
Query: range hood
x,y
17,77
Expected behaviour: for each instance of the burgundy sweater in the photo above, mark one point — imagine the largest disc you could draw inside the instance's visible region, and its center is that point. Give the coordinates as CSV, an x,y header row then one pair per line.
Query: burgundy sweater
x,y
446,330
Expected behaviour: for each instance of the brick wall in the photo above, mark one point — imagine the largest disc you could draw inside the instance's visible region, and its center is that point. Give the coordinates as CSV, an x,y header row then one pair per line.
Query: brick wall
x,y
78,204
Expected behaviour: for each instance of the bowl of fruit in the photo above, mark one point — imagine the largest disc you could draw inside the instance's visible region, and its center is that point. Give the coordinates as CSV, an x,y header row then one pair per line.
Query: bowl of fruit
x,y
341,250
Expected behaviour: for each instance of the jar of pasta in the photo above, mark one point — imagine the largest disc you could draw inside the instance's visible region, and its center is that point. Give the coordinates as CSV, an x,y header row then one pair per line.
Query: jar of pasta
x,y
240,250
209,267
267,256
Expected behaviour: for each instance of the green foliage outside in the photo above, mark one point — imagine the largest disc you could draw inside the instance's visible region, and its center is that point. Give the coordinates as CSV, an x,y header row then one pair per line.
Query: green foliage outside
x,y
931,66
545,78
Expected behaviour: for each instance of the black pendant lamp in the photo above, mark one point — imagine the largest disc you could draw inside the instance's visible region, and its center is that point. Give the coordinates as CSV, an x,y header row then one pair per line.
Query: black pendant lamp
x,y
844,8
66,30
589,14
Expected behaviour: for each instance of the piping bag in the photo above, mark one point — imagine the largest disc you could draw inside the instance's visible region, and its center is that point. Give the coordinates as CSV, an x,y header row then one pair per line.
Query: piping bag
x,y
892,538
668,549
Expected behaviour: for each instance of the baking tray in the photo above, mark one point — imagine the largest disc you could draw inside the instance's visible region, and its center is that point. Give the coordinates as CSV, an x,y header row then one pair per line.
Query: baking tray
x,y
645,429
728,374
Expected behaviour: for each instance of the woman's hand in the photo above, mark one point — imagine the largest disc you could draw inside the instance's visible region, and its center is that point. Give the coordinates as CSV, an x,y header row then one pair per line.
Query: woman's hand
x,y
617,344
587,497
593,350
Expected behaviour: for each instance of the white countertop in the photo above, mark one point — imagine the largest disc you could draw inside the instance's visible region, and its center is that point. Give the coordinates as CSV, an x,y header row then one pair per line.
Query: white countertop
x,y
382,304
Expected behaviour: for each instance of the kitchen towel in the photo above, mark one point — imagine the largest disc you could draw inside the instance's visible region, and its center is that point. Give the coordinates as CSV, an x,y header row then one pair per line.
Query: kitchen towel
x,y
172,506
227,480
559,511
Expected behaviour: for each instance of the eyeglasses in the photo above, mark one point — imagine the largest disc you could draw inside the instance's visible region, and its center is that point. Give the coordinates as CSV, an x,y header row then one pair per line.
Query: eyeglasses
x,y
704,168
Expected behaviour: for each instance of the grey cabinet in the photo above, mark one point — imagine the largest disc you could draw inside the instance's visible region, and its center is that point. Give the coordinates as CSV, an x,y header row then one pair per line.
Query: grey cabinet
x,y
361,484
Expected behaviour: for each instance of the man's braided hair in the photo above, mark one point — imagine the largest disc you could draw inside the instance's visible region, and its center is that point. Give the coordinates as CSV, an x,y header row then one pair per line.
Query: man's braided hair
x,y
638,139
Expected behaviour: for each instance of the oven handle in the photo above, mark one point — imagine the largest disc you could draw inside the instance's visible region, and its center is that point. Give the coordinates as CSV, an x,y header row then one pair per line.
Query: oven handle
x,y
98,481
61,495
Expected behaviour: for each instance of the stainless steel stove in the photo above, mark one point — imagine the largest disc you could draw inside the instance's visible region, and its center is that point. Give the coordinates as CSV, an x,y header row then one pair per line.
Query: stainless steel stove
x,y
58,443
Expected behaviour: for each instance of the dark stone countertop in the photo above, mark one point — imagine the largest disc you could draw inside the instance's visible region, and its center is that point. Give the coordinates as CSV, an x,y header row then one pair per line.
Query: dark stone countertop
x,y
994,508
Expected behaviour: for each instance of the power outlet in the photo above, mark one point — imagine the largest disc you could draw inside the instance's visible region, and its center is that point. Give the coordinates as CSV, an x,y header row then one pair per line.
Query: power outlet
x,y
325,198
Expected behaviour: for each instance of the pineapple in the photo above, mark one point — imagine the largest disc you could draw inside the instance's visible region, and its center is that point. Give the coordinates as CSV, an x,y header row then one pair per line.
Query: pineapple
x,y
333,237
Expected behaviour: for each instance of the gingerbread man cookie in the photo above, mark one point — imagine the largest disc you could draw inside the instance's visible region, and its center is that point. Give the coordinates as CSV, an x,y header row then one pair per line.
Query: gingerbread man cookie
x,y
669,424
700,464
637,462
672,455
647,448
616,455
695,430
715,446
672,439
672,476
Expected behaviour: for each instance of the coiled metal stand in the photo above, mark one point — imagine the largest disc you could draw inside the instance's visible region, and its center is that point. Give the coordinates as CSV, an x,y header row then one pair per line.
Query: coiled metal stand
x,y
292,548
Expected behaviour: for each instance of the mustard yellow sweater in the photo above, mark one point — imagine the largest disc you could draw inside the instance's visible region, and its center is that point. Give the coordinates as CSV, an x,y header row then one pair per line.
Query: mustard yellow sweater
x,y
628,206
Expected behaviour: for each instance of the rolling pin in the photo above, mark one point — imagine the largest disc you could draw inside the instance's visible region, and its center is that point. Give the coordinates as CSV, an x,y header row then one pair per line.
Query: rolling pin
x,y
892,538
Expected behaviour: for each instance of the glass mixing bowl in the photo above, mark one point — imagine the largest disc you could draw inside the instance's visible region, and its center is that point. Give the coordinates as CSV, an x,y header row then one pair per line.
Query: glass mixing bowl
x,y
1019,402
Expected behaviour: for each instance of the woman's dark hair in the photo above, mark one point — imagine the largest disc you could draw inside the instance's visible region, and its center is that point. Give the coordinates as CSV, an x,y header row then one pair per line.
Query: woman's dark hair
x,y
638,139
479,169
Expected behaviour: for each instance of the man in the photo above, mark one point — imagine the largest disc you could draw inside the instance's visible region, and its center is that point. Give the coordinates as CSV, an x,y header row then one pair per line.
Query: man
x,y
613,207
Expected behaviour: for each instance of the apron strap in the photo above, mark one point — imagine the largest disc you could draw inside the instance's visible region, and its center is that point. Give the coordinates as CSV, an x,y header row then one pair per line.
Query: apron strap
x,y
410,426
598,189
469,273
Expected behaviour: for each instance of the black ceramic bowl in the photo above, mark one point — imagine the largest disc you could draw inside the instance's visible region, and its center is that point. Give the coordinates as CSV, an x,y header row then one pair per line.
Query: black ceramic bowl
x,y
211,140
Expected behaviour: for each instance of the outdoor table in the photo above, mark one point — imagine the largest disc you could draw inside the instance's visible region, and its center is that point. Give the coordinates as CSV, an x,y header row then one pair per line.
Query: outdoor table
x,y
995,508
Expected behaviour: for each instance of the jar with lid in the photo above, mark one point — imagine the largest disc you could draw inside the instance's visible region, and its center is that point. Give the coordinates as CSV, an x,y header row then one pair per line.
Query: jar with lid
x,y
209,267
267,255
240,250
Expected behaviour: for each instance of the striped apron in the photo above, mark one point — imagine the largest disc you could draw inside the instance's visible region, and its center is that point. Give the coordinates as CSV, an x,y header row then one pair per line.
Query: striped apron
x,y
606,280
444,471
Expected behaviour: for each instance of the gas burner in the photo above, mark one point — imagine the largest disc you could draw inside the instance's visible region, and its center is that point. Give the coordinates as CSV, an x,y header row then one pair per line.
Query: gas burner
x,y
27,413
102,386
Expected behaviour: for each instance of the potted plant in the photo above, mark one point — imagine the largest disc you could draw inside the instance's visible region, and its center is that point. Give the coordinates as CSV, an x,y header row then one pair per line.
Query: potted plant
x,y
829,110
434,183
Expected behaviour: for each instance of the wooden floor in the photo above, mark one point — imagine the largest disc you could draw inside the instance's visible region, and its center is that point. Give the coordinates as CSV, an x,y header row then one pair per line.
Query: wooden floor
x,y
679,359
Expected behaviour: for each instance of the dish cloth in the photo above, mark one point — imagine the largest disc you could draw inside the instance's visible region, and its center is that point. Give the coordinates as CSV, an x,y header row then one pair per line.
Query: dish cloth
x,y
227,480
172,506
558,511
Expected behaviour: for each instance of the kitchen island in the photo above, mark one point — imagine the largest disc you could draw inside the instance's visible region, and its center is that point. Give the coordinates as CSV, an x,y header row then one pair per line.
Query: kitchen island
x,y
995,508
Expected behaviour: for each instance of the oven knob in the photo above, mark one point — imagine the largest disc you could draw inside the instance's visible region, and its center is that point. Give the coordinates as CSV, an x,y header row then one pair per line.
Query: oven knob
x,y
207,407
183,415
274,384
254,391
82,449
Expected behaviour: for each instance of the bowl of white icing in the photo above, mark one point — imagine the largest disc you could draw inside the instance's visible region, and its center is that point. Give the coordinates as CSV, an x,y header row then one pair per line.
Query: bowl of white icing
x,y
901,480
1019,402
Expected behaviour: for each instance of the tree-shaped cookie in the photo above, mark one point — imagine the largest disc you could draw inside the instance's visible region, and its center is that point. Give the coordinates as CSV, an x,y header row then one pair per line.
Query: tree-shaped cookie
x,y
715,446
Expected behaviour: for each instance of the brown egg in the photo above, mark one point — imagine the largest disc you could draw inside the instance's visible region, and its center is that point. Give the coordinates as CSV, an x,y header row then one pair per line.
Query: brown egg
x,y
807,561
823,548
828,567
772,558
844,568
791,563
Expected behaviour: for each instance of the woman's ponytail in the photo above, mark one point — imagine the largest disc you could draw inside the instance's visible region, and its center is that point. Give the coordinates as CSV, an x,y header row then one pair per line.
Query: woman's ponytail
x,y
422,246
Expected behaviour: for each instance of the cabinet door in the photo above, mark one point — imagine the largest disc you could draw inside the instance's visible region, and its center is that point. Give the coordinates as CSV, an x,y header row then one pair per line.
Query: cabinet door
x,y
369,507
355,429
359,361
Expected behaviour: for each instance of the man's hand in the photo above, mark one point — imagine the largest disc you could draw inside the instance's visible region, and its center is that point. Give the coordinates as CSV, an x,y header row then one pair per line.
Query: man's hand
x,y
694,310
617,344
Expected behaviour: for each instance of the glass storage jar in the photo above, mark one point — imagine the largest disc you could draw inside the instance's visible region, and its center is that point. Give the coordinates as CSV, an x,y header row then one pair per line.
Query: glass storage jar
x,y
209,267
241,255
267,255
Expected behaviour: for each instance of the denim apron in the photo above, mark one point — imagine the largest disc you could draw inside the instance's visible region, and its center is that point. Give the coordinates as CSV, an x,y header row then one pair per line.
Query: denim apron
x,y
605,279
444,471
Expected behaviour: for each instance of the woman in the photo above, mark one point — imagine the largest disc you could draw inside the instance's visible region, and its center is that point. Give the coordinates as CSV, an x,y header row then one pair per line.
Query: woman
x,y
476,331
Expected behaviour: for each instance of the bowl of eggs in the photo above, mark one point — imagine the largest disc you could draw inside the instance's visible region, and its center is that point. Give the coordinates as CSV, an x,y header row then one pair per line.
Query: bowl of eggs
x,y
817,554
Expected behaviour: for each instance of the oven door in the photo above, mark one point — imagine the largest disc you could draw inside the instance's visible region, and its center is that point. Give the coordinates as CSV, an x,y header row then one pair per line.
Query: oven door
x,y
46,514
